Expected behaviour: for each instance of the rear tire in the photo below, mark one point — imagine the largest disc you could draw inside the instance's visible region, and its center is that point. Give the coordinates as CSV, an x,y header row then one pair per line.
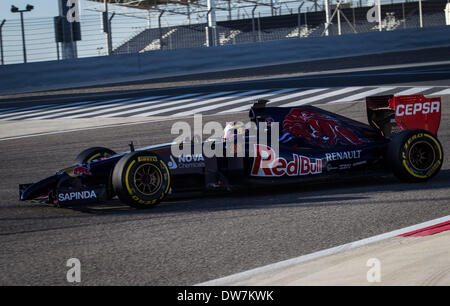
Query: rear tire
x,y
141,179
415,155
92,154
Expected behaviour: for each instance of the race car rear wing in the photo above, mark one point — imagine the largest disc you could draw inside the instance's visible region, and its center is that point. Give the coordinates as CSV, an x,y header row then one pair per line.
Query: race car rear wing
x,y
393,114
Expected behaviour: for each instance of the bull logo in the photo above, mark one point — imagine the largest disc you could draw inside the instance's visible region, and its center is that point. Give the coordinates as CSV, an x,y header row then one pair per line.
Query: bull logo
x,y
314,127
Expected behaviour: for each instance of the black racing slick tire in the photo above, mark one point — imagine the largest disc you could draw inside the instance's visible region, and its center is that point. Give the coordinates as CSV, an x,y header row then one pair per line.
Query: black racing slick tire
x,y
141,179
92,154
415,155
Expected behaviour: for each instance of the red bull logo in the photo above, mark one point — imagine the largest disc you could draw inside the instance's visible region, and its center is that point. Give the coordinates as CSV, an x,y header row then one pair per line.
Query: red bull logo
x,y
267,164
77,171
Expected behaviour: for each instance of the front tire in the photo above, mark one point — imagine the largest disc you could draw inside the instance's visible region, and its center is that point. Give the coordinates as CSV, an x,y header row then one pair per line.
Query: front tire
x,y
141,179
93,154
415,155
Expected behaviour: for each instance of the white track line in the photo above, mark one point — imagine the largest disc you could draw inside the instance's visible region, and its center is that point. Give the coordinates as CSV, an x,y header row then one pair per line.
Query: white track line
x,y
363,95
443,92
56,112
80,111
227,280
282,98
322,96
412,91
247,107
298,94
102,110
210,107
30,108
194,105
85,109
33,109
38,110
167,101
197,104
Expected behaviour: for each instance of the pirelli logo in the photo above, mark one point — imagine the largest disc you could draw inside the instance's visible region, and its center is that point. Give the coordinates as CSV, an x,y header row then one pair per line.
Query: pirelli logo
x,y
147,159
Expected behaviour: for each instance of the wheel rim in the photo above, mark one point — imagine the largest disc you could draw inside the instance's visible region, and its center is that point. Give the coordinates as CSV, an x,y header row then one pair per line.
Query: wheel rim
x,y
99,155
422,155
148,179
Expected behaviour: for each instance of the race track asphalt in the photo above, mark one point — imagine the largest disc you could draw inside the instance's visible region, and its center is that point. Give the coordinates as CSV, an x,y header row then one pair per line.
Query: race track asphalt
x,y
197,238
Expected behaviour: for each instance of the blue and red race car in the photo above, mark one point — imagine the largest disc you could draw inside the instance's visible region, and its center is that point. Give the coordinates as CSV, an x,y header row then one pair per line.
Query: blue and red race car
x,y
311,145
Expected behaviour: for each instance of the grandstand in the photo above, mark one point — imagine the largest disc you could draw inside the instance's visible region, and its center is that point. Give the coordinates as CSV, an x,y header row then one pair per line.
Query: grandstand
x,y
151,25
293,25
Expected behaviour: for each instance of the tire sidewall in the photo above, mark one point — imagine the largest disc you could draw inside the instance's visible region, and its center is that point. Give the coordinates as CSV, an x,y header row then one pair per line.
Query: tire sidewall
x,y
401,162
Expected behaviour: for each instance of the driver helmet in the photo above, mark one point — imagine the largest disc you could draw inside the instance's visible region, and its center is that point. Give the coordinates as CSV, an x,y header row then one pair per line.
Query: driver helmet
x,y
234,128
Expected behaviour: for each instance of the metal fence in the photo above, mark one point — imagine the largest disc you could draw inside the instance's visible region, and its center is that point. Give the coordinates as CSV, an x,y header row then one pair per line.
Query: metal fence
x,y
292,23
263,27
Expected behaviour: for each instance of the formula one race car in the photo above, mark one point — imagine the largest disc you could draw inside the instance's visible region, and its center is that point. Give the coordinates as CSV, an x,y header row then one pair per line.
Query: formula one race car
x,y
310,144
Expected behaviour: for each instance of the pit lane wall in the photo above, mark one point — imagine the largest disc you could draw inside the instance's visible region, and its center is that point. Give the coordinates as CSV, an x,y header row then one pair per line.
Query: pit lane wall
x,y
40,76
